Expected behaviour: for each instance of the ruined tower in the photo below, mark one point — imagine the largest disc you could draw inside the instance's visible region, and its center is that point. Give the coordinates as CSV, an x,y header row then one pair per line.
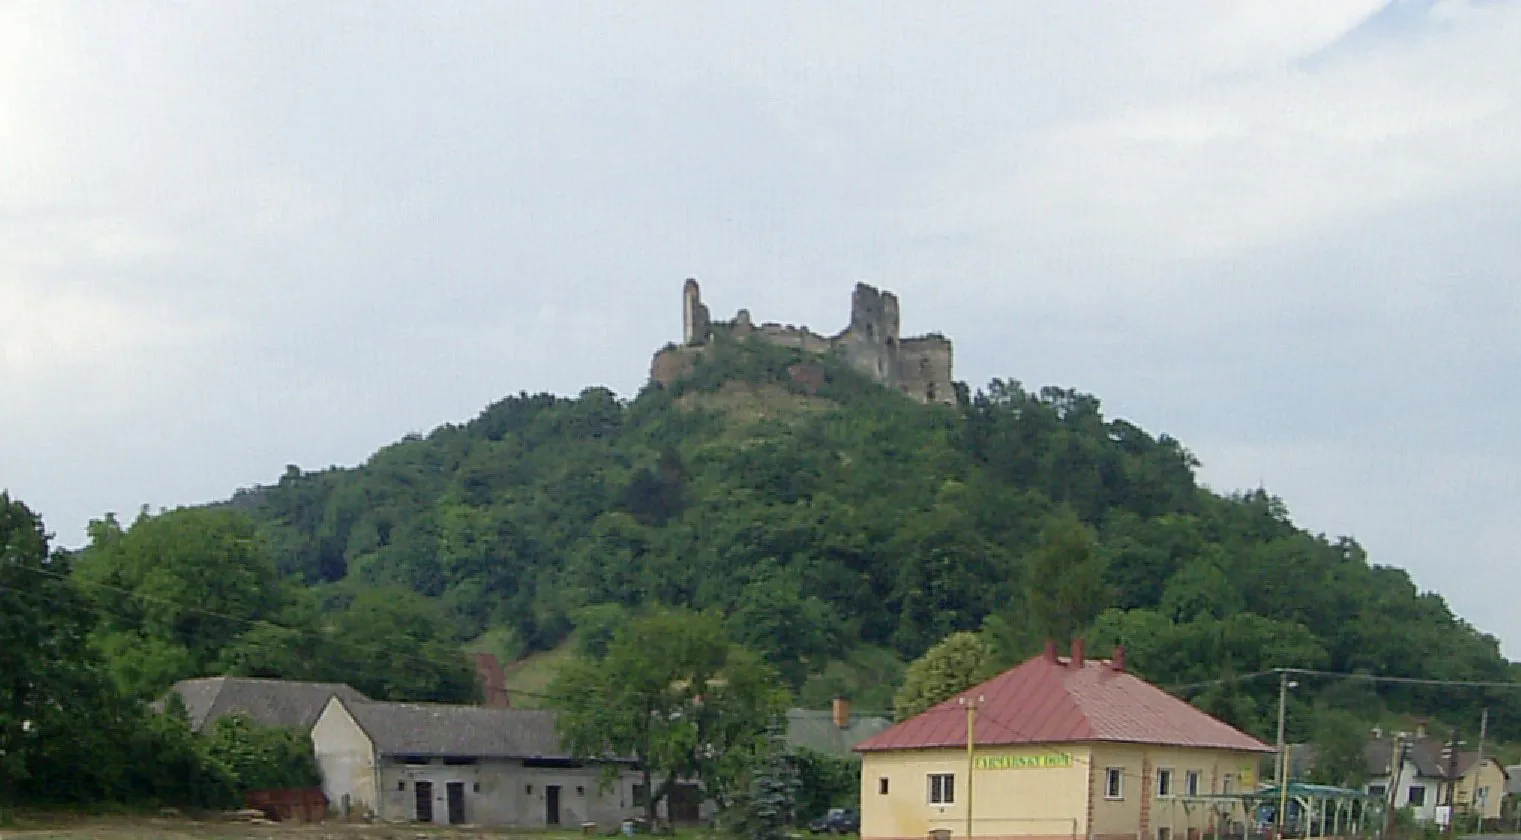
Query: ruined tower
x,y
919,367
694,316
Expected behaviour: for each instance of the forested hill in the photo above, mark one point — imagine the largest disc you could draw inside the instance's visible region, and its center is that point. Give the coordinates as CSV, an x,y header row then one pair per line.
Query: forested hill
x,y
843,529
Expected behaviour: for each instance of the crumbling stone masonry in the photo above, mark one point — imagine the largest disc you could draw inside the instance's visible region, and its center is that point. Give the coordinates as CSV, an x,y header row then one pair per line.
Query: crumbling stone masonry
x,y
919,367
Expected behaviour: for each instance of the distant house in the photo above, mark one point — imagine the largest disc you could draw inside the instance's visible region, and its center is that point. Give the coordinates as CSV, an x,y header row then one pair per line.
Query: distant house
x,y
1421,779
268,702
434,763
835,732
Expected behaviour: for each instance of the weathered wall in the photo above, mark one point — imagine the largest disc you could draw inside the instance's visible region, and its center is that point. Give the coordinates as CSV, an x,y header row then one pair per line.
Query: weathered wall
x,y
1024,792
924,369
346,760
504,792
918,367
673,363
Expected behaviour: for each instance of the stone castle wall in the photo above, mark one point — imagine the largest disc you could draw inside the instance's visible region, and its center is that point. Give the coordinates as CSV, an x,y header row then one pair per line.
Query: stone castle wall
x,y
920,367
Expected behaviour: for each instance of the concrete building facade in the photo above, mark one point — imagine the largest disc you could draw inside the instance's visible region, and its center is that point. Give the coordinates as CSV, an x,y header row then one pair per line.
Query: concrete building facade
x,y
414,762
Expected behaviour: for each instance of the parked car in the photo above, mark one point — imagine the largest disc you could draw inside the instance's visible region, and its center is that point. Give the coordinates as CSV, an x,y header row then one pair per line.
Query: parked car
x,y
837,821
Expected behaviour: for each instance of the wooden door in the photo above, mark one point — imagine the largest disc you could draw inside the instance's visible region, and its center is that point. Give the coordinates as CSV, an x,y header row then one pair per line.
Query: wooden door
x,y
424,792
552,805
456,796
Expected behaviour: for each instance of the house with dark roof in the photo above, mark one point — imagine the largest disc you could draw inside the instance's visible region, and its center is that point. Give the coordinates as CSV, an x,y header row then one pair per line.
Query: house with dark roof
x,y
1058,747
834,732
1420,779
435,763
286,703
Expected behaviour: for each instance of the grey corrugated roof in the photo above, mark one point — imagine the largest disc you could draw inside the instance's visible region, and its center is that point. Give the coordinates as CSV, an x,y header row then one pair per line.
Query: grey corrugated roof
x,y
429,729
817,731
267,702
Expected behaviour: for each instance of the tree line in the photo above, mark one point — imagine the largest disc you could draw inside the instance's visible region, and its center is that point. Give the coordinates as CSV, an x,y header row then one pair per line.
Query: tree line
x,y
832,528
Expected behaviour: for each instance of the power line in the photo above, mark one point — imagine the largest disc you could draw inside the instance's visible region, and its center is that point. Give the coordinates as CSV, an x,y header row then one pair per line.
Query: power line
x,y
1375,678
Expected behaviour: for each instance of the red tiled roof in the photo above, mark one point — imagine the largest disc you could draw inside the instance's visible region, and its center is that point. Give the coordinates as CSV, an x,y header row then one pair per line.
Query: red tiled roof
x,y
1046,700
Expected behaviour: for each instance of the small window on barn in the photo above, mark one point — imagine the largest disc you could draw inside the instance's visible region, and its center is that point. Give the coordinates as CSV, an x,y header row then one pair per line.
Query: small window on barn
x,y
528,789
476,787
416,759
580,790
401,785
882,786
459,761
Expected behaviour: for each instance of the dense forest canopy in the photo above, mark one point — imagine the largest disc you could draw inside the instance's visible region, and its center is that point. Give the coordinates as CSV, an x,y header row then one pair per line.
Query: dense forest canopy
x,y
838,529
845,529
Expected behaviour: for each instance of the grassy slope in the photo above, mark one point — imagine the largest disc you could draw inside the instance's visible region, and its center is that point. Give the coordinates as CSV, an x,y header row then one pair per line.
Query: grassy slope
x,y
532,675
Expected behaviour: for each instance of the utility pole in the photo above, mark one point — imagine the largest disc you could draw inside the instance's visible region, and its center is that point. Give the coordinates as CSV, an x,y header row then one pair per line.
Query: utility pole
x,y
1397,763
1283,803
1452,781
1283,754
1473,796
971,754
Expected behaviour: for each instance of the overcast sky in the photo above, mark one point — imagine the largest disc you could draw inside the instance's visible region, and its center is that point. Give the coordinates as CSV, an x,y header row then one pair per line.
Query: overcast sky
x,y
235,236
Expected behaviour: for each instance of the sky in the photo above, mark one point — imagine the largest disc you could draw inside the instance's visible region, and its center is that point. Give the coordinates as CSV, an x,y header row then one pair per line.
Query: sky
x,y
240,235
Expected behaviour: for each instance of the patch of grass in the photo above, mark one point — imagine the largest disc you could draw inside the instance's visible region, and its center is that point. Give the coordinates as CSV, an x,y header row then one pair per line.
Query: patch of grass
x,y
528,679
501,642
79,826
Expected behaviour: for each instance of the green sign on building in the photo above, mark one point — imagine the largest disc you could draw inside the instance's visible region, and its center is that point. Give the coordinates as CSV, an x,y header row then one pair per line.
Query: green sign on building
x,y
1018,762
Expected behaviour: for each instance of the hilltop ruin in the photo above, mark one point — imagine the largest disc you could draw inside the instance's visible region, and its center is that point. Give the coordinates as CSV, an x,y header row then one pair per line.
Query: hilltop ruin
x,y
919,367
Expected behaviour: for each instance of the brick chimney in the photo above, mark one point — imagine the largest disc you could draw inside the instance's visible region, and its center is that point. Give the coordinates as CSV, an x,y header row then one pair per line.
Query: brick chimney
x,y
493,681
1078,657
1050,650
1117,662
842,712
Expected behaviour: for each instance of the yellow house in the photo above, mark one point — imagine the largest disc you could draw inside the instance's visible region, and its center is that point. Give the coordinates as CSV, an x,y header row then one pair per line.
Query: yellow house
x,y
1481,786
1062,748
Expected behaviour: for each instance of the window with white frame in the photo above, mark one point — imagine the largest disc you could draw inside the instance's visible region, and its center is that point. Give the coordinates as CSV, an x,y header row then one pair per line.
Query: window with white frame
x,y
1114,783
1164,782
1417,795
942,788
1378,790
1193,783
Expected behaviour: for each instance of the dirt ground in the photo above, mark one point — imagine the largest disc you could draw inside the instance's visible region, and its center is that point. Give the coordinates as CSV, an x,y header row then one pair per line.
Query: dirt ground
x,y
179,828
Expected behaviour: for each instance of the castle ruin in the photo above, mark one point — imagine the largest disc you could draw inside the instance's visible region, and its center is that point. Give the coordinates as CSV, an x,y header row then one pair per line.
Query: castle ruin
x,y
919,367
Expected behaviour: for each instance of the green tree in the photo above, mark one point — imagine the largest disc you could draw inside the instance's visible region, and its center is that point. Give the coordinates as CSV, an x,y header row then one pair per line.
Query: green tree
x,y
824,782
957,663
396,645
45,662
792,630
770,805
1066,588
262,758
175,590
1339,738
675,695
